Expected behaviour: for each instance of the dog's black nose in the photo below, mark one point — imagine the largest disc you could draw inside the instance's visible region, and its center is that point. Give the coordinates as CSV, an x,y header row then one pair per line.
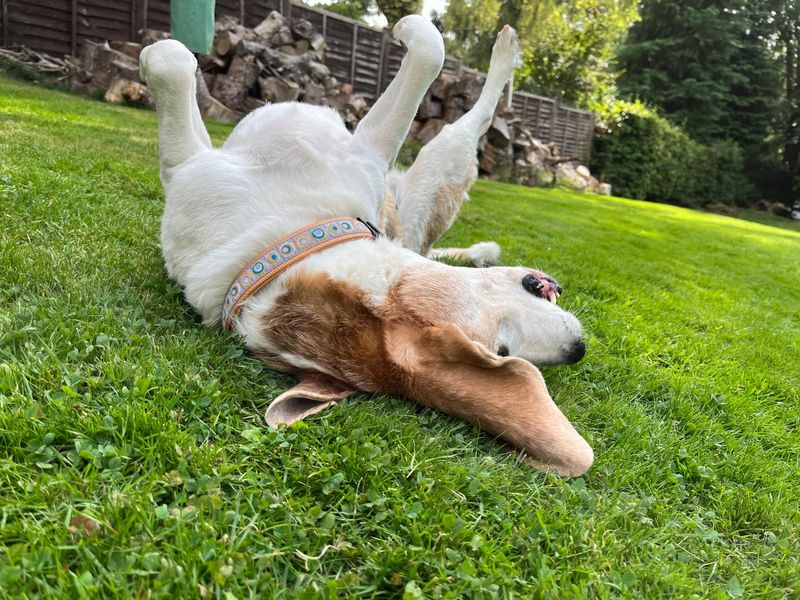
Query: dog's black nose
x,y
577,353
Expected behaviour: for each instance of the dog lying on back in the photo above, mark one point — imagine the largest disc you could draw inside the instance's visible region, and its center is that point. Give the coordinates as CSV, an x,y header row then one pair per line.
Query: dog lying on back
x,y
371,313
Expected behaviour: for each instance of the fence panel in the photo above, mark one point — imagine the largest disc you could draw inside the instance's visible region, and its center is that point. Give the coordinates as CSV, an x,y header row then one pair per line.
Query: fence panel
x,y
367,63
357,54
157,14
339,48
316,17
44,25
394,56
229,8
100,20
256,11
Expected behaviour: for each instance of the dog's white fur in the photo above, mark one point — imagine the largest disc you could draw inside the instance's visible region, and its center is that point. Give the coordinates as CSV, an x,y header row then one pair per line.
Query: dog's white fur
x,y
288,165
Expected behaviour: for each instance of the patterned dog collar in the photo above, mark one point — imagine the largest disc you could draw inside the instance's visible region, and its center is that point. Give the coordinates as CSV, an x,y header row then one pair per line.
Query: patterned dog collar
x,y
292,249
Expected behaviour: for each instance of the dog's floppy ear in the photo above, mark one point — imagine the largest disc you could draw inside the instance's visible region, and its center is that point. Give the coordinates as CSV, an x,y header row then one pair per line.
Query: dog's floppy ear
x,y
313,393
505,396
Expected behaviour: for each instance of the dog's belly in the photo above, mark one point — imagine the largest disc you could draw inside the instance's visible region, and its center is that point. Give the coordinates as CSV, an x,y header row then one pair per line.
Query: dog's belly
x,y
225,205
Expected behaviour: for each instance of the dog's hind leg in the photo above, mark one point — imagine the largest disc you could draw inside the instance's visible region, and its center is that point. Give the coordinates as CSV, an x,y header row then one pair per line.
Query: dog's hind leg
x,y
169,70
430,194
386,125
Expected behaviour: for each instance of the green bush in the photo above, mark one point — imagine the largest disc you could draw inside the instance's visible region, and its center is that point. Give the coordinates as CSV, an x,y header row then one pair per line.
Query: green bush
x,y
645,156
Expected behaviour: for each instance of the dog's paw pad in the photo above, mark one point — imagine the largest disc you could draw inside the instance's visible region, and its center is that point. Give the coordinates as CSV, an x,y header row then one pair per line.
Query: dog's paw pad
x,y
165,60
484,254
506,51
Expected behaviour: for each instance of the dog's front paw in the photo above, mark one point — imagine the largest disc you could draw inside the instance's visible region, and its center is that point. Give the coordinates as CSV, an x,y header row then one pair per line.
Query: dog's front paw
x,y
506,53
423,40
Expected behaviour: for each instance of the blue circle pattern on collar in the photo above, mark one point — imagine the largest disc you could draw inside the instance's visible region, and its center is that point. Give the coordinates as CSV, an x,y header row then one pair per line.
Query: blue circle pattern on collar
x,y
290,249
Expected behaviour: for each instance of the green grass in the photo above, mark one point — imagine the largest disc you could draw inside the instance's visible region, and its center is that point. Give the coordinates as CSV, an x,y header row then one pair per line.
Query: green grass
x,y
134,459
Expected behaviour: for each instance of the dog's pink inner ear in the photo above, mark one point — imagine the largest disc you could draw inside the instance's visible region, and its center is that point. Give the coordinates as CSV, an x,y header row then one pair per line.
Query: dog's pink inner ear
x,y
313,393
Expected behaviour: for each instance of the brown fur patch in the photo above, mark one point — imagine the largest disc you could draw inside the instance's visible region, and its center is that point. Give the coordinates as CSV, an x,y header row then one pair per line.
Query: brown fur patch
x,y
389,219
396,352
331,324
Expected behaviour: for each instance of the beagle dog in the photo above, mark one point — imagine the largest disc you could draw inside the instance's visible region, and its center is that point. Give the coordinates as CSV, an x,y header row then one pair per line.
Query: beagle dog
x,y
272,235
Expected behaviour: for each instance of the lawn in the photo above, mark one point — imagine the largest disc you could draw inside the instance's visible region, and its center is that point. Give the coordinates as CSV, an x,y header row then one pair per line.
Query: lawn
x,y
134,459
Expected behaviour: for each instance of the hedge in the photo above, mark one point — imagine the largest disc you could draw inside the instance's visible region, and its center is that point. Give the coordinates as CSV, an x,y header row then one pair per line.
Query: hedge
x,y
645,156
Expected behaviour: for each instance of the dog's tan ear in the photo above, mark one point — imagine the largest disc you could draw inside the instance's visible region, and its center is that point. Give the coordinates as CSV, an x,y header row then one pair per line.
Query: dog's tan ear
x,y
506,397
313,393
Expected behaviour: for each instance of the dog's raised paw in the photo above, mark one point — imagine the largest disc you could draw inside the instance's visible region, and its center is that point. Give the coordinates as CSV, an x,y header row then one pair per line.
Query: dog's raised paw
x,y
421,38
165,60
506,52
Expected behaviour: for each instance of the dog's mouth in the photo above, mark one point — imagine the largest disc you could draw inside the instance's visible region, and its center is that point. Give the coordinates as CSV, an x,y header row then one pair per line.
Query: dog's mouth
x,y
541,285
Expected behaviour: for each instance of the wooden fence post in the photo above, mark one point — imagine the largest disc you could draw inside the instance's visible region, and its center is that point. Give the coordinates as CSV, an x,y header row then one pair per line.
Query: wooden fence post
x,y
589,137
144,14
382,62
353,57
242,12
286,9
5,23
132,30
73,32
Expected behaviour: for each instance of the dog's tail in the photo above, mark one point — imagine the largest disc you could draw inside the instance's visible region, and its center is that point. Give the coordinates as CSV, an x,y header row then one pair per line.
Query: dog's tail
x,y
169,70
484,254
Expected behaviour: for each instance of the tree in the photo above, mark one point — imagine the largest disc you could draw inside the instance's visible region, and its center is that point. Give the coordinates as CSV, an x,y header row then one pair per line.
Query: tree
x,y
356,10
394,10
706,66
710,67
569,49
567,46
470,28
787,17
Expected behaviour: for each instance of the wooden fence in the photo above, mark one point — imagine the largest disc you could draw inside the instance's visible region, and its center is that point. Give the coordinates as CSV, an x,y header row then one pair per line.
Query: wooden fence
x,y
356,53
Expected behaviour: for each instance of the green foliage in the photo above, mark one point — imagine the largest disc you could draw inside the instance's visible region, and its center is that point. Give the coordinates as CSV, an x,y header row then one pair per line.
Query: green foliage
x,y
570,55
134,460
567,46
470,27
787,20
711,68
394,10
647,157
678,57
356,10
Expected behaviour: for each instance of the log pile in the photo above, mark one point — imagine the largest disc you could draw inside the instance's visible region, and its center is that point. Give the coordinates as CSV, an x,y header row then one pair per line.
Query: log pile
x,y
274,63
246,69
110,69
34,63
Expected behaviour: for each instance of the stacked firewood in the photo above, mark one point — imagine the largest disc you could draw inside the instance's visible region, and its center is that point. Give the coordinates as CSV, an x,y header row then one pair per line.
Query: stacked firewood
x,y
274,63
110,69
246,69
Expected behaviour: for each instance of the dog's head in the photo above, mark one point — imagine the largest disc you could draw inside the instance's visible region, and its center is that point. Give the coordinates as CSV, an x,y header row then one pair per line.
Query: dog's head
x,y
419,345
510,310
